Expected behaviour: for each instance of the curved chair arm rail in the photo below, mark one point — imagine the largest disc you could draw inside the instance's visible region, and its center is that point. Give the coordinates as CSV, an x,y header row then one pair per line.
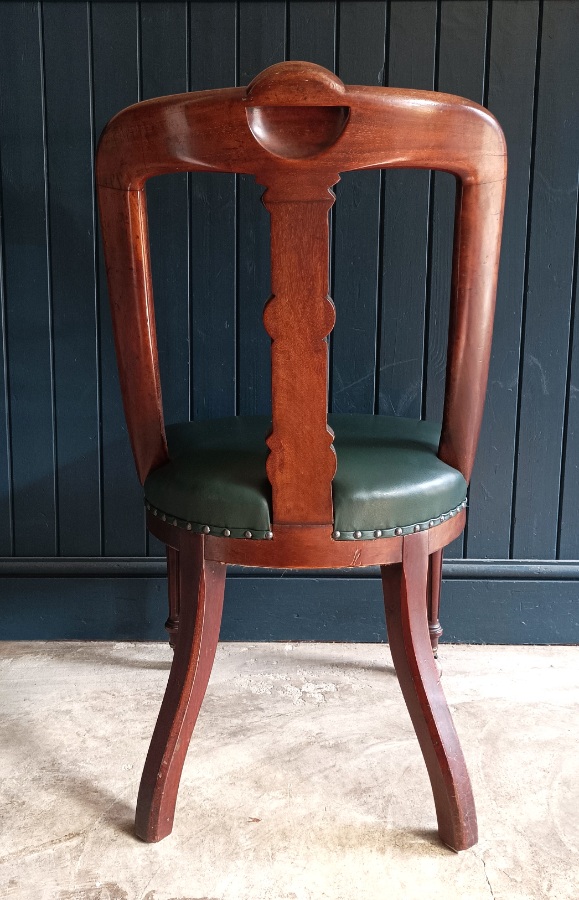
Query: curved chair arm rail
x,y
385,128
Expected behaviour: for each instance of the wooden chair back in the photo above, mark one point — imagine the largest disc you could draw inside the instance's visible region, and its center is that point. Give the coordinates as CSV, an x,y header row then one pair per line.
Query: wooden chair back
x,y
295,128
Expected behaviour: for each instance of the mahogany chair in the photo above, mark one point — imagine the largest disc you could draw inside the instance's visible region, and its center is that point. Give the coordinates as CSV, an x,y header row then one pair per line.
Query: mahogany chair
x,y
304,490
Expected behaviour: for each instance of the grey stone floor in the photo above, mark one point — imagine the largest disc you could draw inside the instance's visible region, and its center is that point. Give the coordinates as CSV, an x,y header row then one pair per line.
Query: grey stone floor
x,y
304,780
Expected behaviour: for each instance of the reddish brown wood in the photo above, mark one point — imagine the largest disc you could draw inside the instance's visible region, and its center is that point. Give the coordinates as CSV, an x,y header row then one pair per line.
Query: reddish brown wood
x,y
408,636
434,586
302,463
125,238
201,586
386,128
304,548
172,623
295,128
477,238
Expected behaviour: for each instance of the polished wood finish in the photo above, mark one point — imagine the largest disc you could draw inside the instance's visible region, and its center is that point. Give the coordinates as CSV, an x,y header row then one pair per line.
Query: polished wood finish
x,y
126,242
302,462
295,128
405,587
201,584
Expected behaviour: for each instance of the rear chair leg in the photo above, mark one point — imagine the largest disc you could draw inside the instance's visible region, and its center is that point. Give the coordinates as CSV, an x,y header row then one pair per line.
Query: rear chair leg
x,y
405,587
172,623
434,585
199,585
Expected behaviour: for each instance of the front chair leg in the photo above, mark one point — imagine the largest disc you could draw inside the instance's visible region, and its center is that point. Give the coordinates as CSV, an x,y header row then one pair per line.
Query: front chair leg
x,y
201,585
405,587
434,585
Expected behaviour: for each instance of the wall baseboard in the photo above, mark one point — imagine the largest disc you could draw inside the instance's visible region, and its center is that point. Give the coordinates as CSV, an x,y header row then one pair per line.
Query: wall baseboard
x,y
155,567
483,601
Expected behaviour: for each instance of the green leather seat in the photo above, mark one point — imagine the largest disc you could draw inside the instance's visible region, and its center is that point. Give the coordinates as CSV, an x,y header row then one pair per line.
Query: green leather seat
x,y
388,479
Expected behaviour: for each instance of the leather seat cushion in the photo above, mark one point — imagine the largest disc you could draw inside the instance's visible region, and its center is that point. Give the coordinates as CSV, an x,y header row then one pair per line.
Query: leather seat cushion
x,y
388,476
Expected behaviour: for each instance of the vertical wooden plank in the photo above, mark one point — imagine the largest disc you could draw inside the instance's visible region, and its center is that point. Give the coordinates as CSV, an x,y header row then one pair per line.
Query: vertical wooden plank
x,y
549,286
164,70
510,97
261,44
116,85
26,279
311,32
569,502
461,70
412,45
213,229
72,267
361,60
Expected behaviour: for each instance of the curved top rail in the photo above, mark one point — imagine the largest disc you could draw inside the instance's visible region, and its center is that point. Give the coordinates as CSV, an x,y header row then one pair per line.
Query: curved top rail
x,y
386,127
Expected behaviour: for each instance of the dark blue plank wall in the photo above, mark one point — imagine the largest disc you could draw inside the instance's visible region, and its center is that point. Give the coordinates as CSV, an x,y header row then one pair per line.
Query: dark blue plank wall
x,y
67,486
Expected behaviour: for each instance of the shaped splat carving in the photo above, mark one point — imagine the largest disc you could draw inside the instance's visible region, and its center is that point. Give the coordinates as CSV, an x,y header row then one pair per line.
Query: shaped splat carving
x,y
298,317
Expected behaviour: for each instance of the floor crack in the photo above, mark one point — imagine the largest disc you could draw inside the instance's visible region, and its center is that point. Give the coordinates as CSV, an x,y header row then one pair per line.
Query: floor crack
x,y
486,876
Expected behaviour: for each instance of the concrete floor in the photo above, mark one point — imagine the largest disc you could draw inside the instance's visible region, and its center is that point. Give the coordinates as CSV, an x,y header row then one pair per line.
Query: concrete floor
x,y
304,780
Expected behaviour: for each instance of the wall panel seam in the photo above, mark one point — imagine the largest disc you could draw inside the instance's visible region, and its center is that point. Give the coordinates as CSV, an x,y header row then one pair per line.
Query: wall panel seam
x,y
50,308
6,374
568,385
526,277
